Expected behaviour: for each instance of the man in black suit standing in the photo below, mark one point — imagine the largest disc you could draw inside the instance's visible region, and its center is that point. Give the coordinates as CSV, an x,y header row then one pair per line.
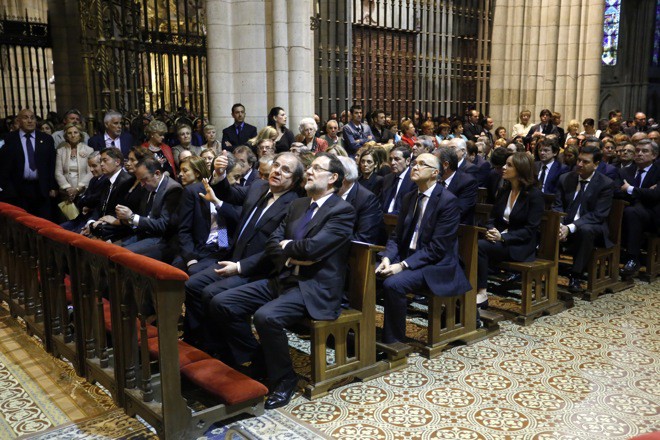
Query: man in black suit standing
x,y
368,226
637,186
463,186
113,137
156,228
472,130
422,252
586,197
309,250
29,167
240,131
265,203
397,183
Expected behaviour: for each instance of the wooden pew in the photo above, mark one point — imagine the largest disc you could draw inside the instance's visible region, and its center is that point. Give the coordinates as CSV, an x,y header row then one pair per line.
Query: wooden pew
x,y
539,277
7,257
603,267
353,333
155,361
63,301
652,258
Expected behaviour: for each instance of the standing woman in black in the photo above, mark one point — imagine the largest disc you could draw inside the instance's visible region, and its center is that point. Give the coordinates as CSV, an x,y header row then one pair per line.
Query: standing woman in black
x,y
285,137
514,221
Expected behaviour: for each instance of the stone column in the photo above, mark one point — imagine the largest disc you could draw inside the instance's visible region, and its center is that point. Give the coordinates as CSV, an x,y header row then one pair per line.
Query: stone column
x,y
260,53
546,54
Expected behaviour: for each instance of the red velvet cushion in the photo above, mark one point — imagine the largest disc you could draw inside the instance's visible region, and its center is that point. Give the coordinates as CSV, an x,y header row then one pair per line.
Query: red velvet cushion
x,y
67,289
187,353
650,436
223,382
98,247
150,267
60,235
152,332
36,223
14,214
9,207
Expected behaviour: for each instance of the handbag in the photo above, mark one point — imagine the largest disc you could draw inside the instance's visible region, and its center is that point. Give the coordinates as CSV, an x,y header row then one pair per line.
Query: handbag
x,y
69,209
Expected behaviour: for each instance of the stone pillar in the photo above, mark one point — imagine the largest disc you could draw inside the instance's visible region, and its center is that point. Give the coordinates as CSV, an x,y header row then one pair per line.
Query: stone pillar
x,y
546,54
260,53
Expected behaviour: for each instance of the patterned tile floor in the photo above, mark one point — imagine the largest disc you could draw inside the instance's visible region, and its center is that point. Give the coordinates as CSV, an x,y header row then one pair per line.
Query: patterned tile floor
x,y
591,372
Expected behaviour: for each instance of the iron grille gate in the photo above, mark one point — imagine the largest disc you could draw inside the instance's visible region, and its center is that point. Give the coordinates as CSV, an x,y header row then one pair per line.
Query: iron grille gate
x,y
402,55
25,66
145,56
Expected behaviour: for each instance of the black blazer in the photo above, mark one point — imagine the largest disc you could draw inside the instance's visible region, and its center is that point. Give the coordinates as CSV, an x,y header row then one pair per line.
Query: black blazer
x,y
231,140
524,222
389,189
549,129
326,242
368,226
374,183
437,243
195,222
92,195
465,187
116,196
14,162
468,167
643,195
97,142
162,220
249,250
596,202
285,141
472,131
494,185
552,176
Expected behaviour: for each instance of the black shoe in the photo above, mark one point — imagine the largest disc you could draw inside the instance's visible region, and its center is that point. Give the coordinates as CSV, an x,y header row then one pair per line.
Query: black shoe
x,y
283,392
483,305
512,277
574,285
630,268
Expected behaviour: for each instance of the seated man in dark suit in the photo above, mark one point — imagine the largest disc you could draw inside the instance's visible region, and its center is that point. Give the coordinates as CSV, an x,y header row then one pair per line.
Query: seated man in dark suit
x,y
463,186
586,196
91,197
29,167
239,132
422,252
157,226
544,128
637,185
548,169
265,203
244,155
603,167
309,250
368,226
464,165
113,137
397,183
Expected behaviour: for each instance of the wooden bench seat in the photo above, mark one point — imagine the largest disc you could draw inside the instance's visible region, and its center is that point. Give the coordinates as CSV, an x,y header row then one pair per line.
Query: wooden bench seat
x,y
652,261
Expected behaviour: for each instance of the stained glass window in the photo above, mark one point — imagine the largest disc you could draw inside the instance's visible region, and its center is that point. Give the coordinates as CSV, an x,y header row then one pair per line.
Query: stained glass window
x,y
656,37
611,31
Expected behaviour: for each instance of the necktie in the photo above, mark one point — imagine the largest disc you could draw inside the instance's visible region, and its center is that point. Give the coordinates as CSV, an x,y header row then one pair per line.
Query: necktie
x,y
256,214
542,178
150,202
575,205
105,204
30,152
392,205
238,130
112,144
299,233
412,227
223,237
444,184
638,179
242,181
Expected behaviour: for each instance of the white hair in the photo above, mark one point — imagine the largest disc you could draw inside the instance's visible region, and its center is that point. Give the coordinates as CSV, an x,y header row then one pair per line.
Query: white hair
x,y
458,143
307,121
109,115
350,168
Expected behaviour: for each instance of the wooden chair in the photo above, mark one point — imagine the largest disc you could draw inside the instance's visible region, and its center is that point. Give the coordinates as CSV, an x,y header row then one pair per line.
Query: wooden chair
x,y
482,194
155,361
353,333
652,257
539,277
603,267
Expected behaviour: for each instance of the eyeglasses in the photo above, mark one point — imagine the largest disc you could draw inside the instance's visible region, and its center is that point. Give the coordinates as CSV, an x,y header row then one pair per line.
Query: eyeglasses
x,y
317,169
285,170
422,165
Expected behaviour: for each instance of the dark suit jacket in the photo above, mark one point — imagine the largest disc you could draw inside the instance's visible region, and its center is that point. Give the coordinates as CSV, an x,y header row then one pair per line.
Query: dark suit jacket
x,y
326,241
524,222
465,188
469,168
353,139
162,220
472,131
483,167
195,222
374,183
249,250
609,170
389,188
231,140
97,142
437,243
643,195
549,129
493,185
634,129
119,189
596,201
368,226
552,176
92,195
254,174
14,162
